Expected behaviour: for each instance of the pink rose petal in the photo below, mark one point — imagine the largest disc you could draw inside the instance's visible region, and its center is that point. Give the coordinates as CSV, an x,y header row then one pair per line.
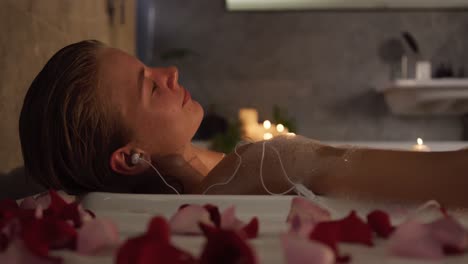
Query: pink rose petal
x,y
304,214
43,200
300,228
28,203
414,239
229,219
298,250
450,233
18,254
307,211
187,219
95,235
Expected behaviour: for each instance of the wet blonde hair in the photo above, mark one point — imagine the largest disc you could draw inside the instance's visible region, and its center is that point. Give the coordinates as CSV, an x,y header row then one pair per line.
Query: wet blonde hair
x,y
67,131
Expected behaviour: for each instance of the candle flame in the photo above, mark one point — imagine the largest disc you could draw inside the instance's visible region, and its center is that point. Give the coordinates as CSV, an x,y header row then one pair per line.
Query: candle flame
x,y
267,136
420,141
267,124
280,128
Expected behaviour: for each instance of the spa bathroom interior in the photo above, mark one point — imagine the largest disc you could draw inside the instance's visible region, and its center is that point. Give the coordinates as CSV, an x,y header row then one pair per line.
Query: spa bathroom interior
x,y
364,87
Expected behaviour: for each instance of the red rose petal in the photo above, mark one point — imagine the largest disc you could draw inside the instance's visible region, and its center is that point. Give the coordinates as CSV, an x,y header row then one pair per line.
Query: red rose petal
x,y
379,221
129,250
451,250
225,246
17,253
160,252
8,205
215,216
251,229
8,210
328,233
355,230
207,229
57,203
71,212
41,235
159,229
349,229
152,247
3,242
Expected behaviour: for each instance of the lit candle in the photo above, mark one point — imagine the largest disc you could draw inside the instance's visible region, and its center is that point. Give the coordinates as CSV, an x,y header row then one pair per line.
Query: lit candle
x,y
267,124
248,116
279,128
420,146
267,136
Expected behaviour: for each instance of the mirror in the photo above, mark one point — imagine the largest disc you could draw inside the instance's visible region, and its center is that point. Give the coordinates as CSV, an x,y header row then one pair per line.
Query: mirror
x,y
282,5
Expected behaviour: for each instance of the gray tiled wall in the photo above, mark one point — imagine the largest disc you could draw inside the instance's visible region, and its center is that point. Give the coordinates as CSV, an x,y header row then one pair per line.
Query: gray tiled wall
x,y
323,67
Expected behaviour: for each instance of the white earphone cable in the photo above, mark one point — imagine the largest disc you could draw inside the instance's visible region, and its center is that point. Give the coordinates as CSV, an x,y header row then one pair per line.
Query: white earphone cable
x,y
160,176
261,174
233,174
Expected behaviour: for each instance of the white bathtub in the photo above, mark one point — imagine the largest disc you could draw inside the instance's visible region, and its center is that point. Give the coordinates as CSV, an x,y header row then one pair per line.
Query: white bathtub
x,y
132,212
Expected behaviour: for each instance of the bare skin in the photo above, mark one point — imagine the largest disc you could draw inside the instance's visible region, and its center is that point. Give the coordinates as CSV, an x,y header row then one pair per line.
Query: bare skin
x,y
385,175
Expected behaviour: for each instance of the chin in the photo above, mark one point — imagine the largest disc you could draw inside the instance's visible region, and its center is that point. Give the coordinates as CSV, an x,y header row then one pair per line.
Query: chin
x,y
200,112
197,116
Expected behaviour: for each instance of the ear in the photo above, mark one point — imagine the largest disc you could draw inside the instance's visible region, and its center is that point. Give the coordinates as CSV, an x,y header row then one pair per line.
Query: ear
x,y
120,161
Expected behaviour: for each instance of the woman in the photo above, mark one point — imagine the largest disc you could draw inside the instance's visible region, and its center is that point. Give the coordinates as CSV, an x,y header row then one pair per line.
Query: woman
x,y
91,108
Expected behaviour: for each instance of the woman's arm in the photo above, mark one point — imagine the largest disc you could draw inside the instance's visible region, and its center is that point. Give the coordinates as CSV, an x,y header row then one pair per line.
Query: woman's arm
x,y
398,175
375,174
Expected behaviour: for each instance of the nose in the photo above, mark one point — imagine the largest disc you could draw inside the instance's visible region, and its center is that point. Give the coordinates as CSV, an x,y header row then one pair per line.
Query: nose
x,y
173,79
168,76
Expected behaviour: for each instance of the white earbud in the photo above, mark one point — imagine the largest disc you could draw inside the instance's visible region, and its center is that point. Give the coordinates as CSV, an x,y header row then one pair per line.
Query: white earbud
x,y
135,158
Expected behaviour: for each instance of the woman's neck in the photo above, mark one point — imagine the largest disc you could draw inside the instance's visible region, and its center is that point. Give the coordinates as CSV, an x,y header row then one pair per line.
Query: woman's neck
x,y
202,160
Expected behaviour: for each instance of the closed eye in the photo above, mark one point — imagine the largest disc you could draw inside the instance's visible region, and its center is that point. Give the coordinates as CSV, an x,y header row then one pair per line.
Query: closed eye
x,y
155,86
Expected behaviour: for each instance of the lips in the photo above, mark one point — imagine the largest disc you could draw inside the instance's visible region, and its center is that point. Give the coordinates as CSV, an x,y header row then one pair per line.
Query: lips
x,y
187,97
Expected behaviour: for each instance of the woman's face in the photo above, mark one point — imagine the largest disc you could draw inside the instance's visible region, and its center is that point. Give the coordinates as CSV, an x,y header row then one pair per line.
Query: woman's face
x,y
159,111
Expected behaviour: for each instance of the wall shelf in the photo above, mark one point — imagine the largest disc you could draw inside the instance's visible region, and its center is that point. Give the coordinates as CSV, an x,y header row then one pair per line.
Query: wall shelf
x,y
427,97
274,5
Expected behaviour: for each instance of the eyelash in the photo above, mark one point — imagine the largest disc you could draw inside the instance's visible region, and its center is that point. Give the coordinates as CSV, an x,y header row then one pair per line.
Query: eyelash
x,y
155,86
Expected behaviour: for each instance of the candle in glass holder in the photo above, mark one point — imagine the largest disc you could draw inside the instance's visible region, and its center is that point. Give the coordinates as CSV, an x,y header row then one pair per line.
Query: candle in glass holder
x,y
248,116
420,146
